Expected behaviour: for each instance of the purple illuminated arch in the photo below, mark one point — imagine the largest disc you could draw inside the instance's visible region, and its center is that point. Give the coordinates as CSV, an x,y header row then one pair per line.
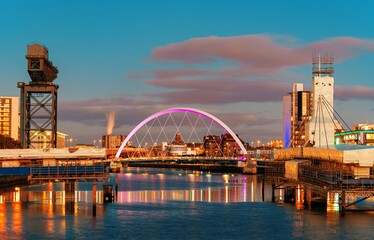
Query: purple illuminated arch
x,y
178,110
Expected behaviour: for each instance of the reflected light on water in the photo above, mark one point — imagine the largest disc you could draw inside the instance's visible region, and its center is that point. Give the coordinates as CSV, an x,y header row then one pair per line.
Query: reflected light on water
x,y
145,187
16,218
200,187
332,201
226,194
226,178
16,195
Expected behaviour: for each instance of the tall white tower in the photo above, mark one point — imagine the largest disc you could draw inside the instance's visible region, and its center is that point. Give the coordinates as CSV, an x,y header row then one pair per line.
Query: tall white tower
x,y
321,128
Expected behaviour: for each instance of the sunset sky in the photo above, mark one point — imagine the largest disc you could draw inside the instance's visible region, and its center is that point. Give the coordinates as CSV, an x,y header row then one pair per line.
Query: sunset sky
x,y
233,59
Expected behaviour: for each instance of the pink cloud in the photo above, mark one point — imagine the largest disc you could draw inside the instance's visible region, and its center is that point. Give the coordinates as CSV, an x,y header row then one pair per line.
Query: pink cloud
x,y
173,73
93,111
345,93
253,74
219,91
258,51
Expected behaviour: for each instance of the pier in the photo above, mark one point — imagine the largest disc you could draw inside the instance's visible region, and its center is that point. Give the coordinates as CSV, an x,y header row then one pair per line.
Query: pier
x,y
68,164
321,177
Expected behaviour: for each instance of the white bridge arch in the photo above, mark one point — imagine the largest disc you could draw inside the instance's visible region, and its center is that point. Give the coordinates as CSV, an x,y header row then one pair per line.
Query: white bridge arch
x,y
182,110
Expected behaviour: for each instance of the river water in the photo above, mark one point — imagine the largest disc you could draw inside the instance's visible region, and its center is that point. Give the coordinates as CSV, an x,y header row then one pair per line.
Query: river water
x,y
170,204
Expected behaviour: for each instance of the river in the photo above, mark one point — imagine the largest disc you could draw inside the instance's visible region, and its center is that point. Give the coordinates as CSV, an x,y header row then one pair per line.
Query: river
x,y
170,204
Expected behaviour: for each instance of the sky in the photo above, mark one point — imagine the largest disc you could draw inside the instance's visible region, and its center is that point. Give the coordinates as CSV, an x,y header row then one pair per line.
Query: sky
x,y
232,59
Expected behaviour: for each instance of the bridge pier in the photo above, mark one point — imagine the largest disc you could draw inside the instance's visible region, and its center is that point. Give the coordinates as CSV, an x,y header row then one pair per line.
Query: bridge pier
x,y
342,203
116,187
308,198
299,197
94,200
69,196
273,192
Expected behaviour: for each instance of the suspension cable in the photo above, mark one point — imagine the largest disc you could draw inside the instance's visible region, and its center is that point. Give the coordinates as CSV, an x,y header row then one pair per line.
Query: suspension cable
x,y
324,124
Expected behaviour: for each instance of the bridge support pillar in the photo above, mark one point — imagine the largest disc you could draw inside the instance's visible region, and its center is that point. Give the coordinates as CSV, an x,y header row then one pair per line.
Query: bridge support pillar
x,y
342,203
263,189
273,192
116,187
69,196
308,198
94,200
299,197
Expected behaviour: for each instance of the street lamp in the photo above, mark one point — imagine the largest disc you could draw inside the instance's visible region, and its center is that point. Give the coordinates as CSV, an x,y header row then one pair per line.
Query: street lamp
x,y
258,143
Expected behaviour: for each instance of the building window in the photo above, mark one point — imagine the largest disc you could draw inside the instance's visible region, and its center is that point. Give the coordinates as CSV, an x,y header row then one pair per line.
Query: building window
x,y
370,136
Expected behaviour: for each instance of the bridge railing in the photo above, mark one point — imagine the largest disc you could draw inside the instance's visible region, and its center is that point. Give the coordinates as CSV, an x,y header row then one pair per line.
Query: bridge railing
x,y
68,172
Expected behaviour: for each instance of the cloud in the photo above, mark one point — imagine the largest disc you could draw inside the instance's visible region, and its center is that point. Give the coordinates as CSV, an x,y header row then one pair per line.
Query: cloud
x,y
219,91
94,111
257,51
345,93
251,68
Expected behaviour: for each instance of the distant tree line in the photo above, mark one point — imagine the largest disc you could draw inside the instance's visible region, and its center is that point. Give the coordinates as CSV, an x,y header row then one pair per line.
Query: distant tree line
x,y
8,143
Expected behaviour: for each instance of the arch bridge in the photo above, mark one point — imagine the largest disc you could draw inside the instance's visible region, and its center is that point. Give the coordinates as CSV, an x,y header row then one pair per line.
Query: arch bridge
x,y
182,132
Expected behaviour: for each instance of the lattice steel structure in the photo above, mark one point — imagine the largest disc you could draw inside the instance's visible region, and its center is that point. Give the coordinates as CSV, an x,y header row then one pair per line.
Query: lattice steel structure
x,y
323,65
38,120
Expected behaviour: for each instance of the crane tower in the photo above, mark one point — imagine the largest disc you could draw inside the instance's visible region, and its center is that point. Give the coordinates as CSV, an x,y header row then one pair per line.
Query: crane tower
x,y
38,98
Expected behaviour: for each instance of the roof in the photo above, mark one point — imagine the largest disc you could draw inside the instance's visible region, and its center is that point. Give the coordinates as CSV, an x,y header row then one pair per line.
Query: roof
x,y
58,153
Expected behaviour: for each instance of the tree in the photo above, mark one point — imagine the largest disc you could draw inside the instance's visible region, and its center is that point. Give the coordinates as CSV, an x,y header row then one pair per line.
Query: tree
x,y
8,143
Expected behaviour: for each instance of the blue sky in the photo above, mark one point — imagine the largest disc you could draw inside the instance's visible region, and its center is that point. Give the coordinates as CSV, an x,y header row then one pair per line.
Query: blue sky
x,y
233,59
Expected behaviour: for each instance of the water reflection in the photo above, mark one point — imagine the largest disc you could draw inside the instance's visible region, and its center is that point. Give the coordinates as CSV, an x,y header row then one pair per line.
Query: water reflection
x,y
226,194
148,187
150,200
189,186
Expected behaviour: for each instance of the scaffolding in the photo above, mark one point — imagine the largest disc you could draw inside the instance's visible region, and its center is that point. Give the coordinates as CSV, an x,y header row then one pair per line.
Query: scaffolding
x,y
323,65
